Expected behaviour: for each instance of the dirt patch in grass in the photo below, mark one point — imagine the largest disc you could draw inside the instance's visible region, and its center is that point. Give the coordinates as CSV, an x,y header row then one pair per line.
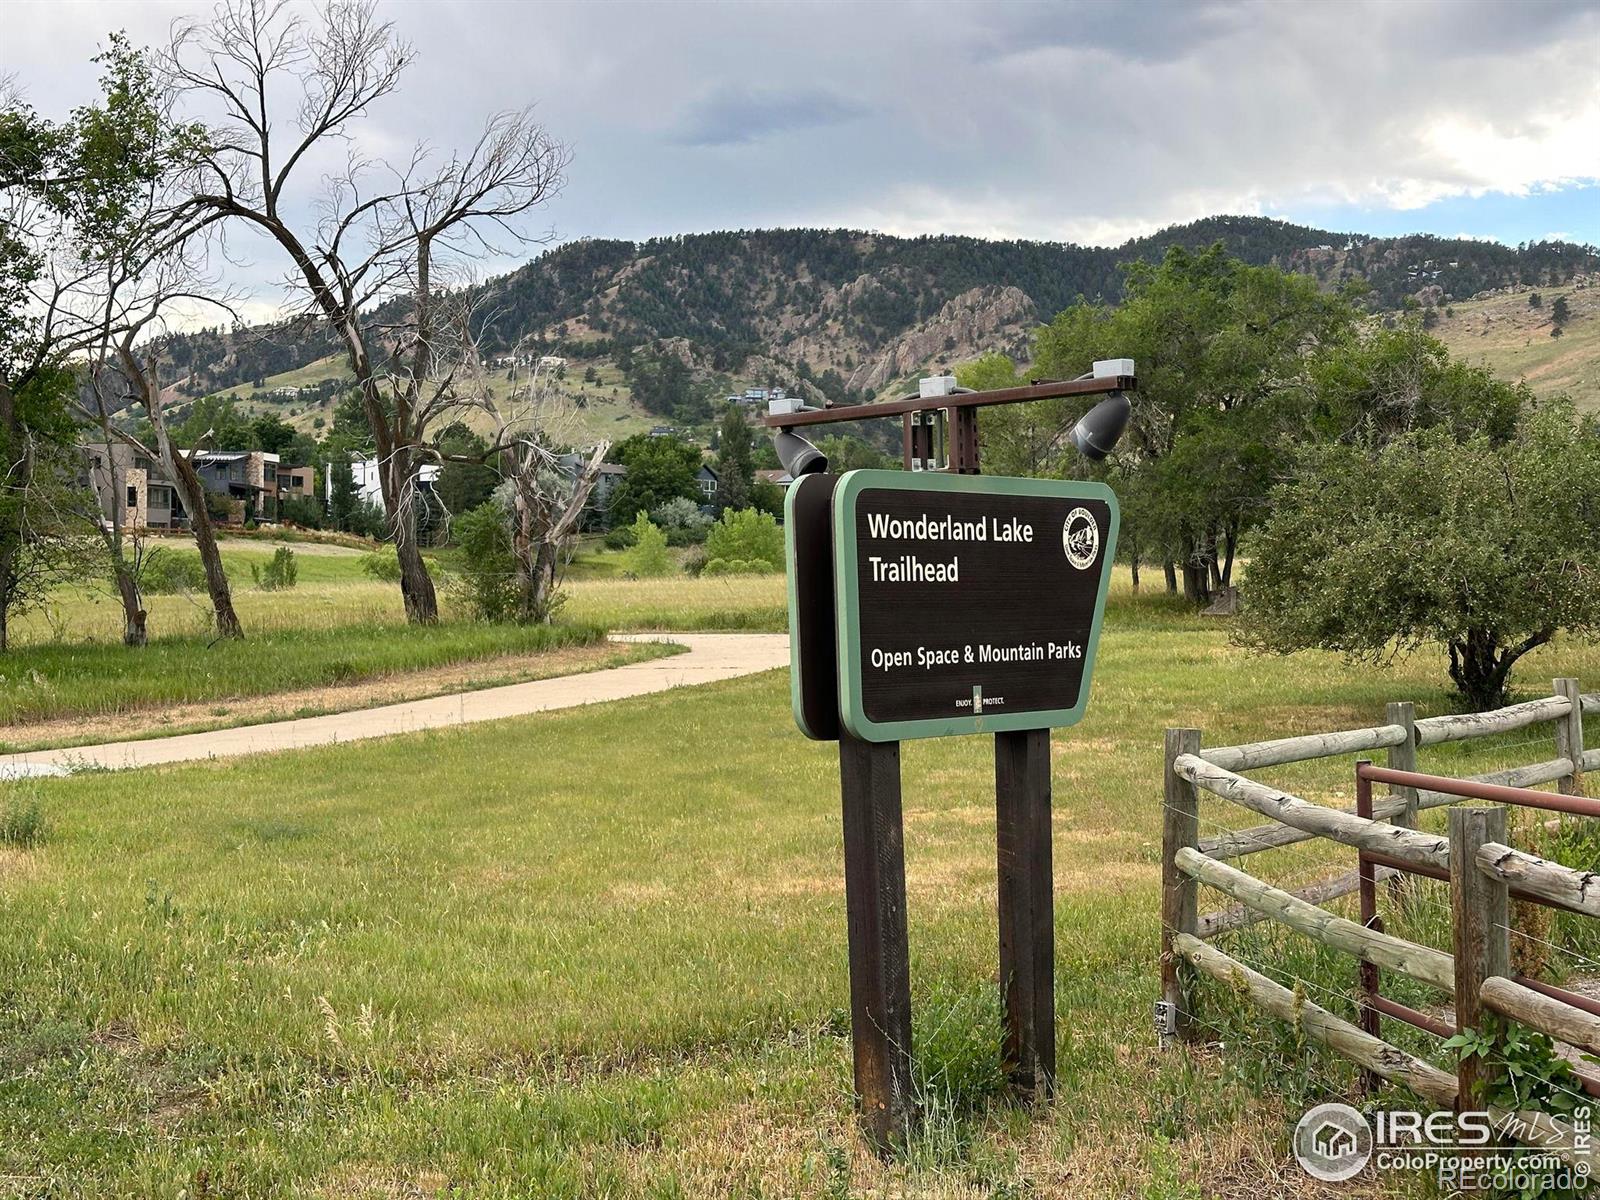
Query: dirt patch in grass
x,y
309,702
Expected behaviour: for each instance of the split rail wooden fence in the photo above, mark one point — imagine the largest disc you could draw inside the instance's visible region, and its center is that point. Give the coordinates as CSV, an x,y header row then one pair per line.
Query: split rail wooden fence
x,y
1473,854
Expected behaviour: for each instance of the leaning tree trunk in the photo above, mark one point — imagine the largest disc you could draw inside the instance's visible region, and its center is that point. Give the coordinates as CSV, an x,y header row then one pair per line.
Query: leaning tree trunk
x,y
1169,571
193,494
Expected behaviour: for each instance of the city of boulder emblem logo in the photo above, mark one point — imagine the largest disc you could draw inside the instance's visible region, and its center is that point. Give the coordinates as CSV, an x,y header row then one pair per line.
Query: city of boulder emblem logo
x,y
1080,538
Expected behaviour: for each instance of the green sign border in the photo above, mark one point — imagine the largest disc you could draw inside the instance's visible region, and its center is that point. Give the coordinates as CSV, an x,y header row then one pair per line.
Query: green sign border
x,y
797,652
852,711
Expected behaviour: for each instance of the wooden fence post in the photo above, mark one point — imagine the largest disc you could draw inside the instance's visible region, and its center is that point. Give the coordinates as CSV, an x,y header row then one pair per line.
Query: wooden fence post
x,y
1569,738
1481,932
875,912
1404,756
1180,827
1027,908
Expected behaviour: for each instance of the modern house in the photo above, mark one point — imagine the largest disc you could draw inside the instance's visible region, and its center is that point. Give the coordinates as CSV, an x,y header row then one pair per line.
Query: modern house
x,y
296,481
706,477
245,481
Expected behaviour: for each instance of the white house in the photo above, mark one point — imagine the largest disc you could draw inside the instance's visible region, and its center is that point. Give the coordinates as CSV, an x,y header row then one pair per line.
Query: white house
x,y
364,472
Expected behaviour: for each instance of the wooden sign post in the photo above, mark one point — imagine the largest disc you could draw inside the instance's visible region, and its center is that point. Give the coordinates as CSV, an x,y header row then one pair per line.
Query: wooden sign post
x,y
927,605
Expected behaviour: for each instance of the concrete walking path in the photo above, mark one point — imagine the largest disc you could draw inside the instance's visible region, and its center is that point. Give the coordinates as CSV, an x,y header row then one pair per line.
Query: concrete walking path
x,y
711,657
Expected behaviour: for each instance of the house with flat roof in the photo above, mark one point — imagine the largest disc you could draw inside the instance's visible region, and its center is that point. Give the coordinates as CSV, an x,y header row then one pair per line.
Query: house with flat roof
x,y
296,481
246,482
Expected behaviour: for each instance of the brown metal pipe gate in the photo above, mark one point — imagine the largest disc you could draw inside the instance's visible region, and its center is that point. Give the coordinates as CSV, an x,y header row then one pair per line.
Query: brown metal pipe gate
x,y
1373,1003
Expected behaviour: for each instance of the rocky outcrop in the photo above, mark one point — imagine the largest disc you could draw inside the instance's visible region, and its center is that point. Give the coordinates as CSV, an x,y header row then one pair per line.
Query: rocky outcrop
x,y
976,321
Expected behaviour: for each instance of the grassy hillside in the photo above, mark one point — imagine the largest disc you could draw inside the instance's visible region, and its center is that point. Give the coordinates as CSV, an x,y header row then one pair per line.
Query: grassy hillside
x,y
604,408
1513,340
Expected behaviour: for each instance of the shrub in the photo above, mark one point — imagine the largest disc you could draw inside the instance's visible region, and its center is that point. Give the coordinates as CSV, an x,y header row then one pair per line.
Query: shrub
x,y
694,562
302,510
682,521
620,538
171,572
738,566
648,559
280,573
382,566
220,507
488,570
22,822
746,536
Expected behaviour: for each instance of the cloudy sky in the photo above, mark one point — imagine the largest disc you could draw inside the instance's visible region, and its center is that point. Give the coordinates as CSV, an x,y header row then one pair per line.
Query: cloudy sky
x,y
1078,121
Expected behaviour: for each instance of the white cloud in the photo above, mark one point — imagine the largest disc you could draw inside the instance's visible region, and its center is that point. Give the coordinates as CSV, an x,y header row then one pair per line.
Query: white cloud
x,y
1080,121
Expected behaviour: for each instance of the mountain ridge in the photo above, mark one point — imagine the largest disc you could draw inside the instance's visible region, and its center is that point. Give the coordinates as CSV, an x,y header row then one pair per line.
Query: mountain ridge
x,y
848,313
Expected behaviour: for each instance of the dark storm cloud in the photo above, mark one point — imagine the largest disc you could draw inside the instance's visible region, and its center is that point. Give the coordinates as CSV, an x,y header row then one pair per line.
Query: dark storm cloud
x,y
733,115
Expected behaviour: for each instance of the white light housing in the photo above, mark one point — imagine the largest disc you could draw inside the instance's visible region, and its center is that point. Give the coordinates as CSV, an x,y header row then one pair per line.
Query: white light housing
x,y
1111,368
936,387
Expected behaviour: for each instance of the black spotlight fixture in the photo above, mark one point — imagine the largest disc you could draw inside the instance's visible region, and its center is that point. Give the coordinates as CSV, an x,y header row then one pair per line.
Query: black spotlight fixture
x,y
1098,432
798,456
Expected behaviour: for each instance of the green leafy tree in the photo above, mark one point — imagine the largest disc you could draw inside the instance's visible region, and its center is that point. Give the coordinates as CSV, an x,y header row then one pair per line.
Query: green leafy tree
x,y
216,421
767,497
1222,350
72,195
988,372
462,486
648,559
1481,549
736,472
658,469
272,433
745,537
848,453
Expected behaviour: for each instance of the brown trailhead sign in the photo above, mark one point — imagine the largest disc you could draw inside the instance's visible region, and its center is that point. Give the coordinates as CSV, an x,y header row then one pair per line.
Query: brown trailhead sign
x,y
963,604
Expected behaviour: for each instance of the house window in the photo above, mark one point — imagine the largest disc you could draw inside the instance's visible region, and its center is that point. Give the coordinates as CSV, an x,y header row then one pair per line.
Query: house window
x,y
133,496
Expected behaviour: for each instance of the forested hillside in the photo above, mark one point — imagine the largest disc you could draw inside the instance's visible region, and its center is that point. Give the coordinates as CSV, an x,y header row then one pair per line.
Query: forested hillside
x,y
847,314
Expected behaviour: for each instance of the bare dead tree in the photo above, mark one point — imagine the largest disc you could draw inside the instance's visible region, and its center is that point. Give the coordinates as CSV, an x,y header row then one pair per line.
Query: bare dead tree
x,y
549,490
383,247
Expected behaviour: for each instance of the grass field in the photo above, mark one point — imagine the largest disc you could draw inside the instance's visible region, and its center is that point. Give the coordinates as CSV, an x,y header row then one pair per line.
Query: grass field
x,y
337,626
601,953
